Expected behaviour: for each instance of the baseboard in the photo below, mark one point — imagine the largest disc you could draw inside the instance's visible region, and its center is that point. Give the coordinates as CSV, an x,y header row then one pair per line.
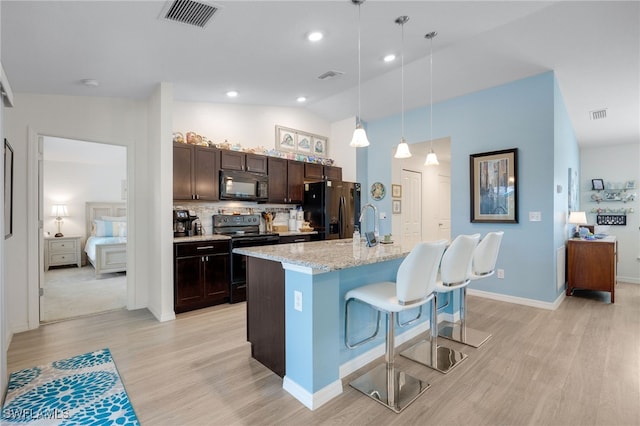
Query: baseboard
x,y
376,352
162,316
552,306
312,400
630,280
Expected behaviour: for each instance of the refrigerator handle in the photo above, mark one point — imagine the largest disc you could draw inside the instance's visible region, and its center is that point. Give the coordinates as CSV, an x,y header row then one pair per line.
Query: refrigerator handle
x,y
341,220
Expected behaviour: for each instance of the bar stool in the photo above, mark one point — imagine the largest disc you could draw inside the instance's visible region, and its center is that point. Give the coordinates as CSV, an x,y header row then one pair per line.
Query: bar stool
x,y
483,266
454,273
414,287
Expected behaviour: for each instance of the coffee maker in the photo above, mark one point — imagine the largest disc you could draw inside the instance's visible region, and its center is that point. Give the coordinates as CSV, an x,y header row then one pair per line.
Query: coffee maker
x,y
181,223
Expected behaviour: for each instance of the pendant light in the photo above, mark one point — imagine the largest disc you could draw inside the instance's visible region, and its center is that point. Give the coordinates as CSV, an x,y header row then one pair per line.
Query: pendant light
x,y
359,135
403,148
432,158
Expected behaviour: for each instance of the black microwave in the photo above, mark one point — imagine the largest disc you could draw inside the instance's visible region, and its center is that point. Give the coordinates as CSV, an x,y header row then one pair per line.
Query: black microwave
x,y
243,186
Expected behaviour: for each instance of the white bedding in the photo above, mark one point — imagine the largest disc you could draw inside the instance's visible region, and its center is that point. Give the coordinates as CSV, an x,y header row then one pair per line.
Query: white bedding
x,y
92,241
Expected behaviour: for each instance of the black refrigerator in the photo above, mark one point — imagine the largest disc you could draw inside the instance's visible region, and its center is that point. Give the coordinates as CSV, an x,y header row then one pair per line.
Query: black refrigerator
x,y
332,208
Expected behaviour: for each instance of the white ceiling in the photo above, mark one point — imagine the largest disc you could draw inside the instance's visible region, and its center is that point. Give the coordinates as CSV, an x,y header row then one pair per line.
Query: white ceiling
x,y
259,48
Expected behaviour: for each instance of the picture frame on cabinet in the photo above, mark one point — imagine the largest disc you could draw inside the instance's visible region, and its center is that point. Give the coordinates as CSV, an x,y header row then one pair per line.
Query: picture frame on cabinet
x,y
494,186
597,184
303,142
320,146
631,184
285,139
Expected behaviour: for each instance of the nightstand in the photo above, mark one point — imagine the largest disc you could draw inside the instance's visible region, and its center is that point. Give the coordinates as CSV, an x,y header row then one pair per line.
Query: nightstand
x,y
62,251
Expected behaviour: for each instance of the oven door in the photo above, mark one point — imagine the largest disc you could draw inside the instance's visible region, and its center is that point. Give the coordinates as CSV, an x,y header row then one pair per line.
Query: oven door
x,y
238,291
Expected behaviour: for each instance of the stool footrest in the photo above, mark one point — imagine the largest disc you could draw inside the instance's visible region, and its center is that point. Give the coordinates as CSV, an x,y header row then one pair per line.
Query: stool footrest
x,y
375,384
466,335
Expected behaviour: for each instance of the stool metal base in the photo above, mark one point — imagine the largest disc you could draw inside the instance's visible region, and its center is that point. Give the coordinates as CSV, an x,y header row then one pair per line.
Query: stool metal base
x,y
447,358
384,381
468,336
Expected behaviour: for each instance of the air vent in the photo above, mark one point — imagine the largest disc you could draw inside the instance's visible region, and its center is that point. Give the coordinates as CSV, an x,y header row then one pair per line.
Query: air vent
x,y
190,12
599,114
330,74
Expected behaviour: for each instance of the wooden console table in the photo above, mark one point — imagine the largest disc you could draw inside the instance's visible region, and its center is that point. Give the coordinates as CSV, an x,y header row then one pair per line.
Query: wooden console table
x,y
591,265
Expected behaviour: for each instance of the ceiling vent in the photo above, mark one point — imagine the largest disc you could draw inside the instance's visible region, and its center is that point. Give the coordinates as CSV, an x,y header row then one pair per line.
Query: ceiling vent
x,y
330,74
599,114
189,12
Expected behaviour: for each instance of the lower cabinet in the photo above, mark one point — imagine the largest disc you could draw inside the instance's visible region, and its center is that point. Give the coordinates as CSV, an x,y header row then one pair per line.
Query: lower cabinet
x,y
288,239
201,274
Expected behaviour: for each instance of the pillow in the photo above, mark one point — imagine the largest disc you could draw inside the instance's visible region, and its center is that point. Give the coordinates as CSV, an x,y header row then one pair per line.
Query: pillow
x,y
114,218
106,228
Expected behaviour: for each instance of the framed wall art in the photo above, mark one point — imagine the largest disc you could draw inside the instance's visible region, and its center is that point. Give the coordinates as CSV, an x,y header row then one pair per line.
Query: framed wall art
x,y
396,191
494,186
320,146
396,207
303,143
597,184
8,190
285,139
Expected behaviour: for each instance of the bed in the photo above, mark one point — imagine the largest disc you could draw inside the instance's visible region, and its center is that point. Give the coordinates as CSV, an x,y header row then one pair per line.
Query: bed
x,y
106,245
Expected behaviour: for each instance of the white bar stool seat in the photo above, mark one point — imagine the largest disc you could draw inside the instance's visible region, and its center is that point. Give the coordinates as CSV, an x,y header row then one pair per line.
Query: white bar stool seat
x,y
414,287
483,265
455,270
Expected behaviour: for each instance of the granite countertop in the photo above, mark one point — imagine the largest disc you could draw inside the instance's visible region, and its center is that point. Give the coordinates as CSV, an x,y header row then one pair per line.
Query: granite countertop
x,y
197,238
326,256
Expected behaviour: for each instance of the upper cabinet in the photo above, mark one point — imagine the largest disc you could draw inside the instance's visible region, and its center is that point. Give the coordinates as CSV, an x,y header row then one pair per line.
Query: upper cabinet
x,y
236,160
195,172
318,172
286,181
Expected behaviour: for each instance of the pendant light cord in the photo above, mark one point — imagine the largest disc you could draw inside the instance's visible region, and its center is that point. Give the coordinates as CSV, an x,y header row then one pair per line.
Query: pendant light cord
x,y
431,94
359,70
402,81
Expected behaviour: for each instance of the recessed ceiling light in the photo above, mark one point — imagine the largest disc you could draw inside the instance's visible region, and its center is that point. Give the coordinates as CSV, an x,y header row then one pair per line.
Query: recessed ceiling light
x,y
232,93
90,82
301,99
390,58
315,36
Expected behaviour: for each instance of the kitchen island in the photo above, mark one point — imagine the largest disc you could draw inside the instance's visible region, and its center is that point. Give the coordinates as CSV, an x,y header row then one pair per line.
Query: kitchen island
x,y
295,311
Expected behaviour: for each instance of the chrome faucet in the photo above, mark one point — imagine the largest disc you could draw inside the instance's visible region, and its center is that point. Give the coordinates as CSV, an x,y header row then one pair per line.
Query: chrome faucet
x,y
376,228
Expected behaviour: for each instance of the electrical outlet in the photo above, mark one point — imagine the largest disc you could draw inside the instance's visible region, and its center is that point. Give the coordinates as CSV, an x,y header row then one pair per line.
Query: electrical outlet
x,y
297,300
501,273
383,215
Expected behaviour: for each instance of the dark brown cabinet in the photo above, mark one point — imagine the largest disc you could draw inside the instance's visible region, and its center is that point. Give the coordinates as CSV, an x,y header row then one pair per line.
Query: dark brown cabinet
x,y
592,265
201,274
286,181
195,172
318,172
288,239
235,160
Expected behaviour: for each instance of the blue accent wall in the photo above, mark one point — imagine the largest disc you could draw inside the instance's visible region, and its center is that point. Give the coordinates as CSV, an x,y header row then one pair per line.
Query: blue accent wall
x,y
527,114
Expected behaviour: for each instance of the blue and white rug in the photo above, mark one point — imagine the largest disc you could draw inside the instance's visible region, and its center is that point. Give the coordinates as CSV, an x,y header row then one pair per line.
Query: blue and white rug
x,y
81,390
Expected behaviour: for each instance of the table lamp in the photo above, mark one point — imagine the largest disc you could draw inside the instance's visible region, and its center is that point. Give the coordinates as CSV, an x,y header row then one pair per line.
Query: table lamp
x,y
577,218
59,211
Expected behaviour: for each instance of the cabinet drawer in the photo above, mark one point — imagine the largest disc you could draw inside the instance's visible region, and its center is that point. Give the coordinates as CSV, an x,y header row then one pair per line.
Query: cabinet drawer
x,y
201,248
63,259
62,246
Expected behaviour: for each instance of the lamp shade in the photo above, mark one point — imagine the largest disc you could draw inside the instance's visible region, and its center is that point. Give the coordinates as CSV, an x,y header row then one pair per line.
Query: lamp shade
x,y
59,210
403,150
578,218
432,159
359,139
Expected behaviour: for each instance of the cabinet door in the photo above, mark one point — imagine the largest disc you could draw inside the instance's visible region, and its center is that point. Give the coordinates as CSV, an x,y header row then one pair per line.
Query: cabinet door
x,y
295,181
216,276
333,173
182,177
188,289
313,172
231,160
277,180
255,163
206,173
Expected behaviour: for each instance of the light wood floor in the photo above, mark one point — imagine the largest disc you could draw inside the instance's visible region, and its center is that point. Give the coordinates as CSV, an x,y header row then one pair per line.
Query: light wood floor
x,y
578,365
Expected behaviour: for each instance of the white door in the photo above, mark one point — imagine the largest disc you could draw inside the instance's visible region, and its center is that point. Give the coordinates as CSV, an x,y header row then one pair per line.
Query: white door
x,y
411,208
444,207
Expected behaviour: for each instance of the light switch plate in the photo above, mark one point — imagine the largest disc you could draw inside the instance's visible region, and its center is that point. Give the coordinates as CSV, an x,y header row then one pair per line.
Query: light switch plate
x,y
297,300
535,216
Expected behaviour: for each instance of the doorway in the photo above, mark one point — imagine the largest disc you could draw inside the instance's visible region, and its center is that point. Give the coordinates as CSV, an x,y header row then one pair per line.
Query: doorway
x,y
73,174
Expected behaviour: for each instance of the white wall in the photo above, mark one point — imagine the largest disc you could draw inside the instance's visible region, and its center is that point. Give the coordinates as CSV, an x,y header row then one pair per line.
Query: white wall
x,y
75,184
253,126
106,120
615,164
